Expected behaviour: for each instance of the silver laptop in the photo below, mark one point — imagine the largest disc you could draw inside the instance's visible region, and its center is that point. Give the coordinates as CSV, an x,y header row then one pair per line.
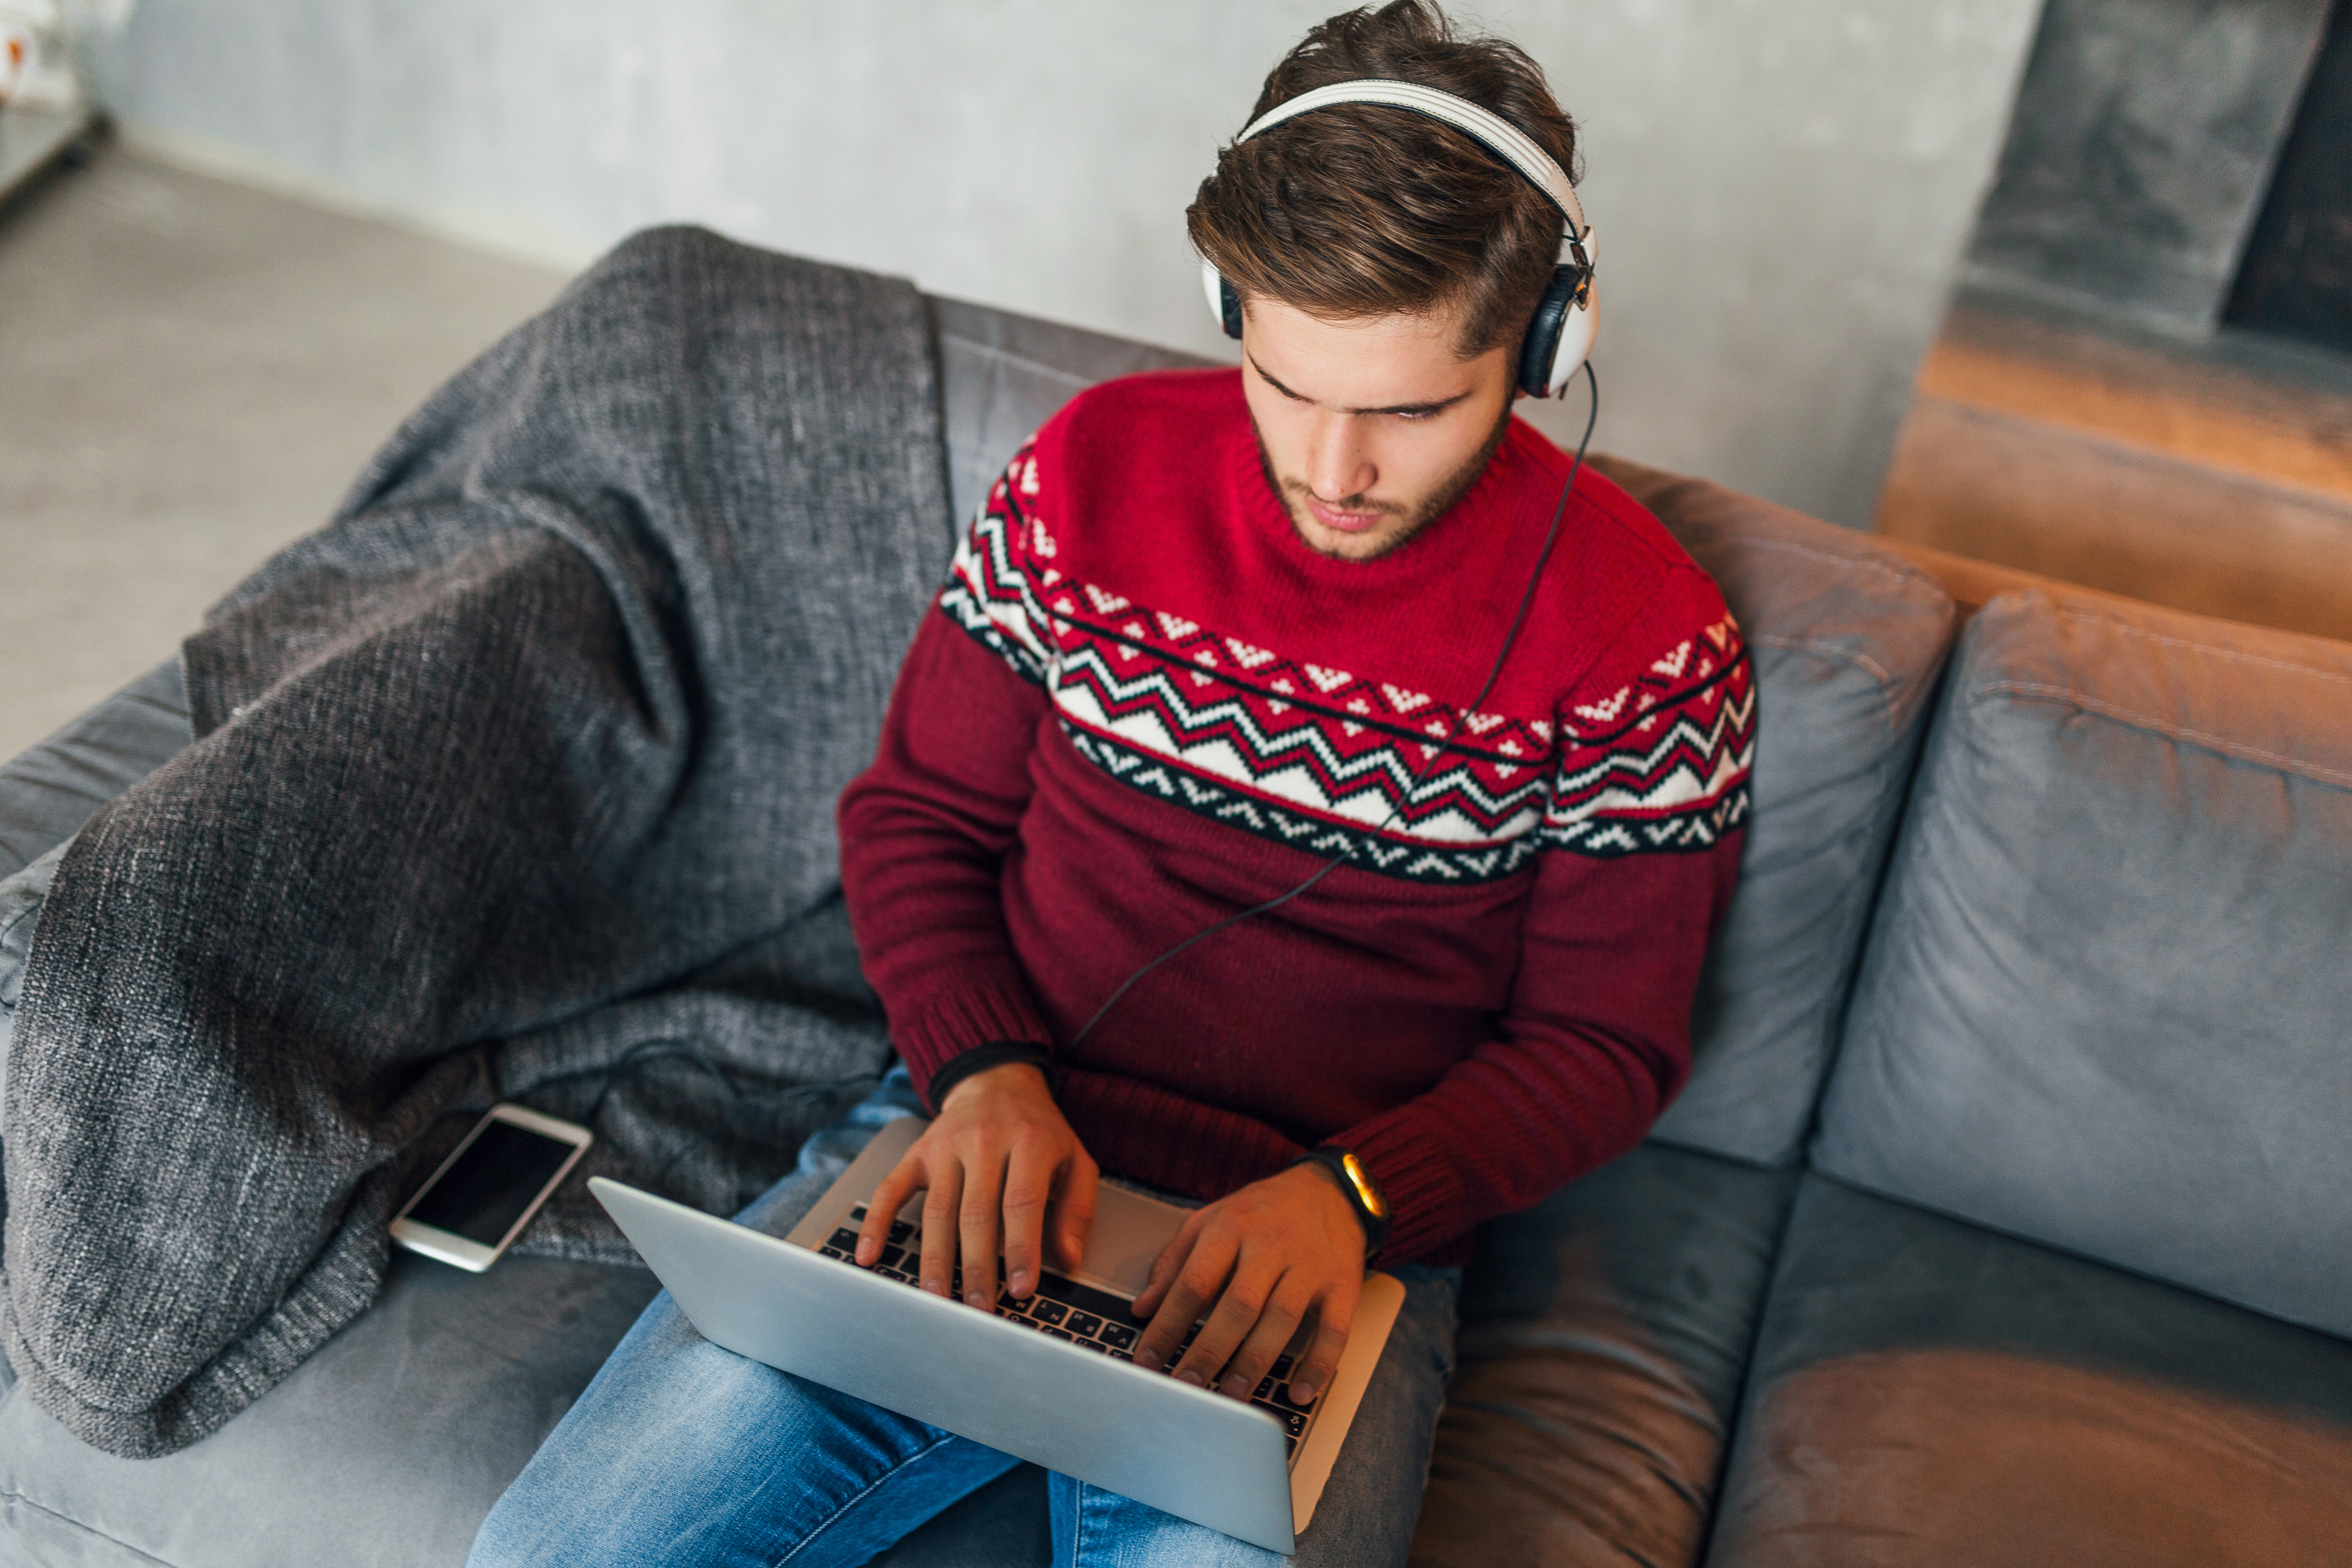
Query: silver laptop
x,y
1049,1379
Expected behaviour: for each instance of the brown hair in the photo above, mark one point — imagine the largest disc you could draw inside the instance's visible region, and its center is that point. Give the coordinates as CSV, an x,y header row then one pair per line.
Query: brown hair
x,y
1363,210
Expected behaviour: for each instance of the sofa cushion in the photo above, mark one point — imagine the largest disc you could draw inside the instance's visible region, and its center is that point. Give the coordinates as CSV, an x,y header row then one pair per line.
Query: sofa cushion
x,y
1927,1393
1847,639
2104,1001
386,1448
1604,1339
50,790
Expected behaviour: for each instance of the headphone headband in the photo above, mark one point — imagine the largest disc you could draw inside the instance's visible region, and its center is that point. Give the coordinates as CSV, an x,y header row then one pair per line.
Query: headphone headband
x,y
1489,130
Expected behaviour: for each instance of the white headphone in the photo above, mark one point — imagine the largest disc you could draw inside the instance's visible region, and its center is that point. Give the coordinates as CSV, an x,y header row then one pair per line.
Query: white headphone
x,y
1559,334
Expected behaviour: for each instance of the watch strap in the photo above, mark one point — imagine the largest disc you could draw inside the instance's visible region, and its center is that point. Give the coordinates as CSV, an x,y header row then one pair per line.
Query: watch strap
x,y
1357,1186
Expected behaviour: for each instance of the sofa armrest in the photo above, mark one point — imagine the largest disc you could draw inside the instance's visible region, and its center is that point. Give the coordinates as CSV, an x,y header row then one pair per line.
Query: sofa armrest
x,y
50,790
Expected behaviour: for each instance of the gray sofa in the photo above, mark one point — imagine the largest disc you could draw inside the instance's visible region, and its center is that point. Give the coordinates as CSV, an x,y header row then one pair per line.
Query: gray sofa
x,y
2008,1217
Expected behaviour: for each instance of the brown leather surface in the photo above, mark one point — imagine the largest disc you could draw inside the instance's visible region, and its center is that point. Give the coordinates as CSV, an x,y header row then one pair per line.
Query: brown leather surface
x,y
1959,1457
1971,583
1579,1451
1603,1341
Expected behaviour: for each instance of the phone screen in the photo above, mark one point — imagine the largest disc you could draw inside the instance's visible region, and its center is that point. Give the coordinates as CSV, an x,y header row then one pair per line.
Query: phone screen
x,y
493,1182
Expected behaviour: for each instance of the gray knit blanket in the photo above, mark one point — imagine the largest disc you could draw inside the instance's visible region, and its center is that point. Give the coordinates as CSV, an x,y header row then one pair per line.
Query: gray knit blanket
x,y
515,781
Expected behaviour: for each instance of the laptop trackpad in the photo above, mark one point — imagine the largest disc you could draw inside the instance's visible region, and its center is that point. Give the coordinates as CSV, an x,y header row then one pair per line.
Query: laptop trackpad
x,y
1130,1228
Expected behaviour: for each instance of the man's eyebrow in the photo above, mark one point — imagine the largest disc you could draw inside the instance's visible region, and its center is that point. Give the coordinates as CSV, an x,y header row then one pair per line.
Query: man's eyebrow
x,y
1392,409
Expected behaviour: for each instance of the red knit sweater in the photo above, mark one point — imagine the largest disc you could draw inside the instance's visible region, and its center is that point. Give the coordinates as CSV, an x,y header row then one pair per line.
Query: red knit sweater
x,y
1144,703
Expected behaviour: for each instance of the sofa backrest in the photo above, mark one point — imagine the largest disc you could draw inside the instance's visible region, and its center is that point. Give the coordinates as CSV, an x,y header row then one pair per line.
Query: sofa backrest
x,y
1002,375
2107,999
1847,639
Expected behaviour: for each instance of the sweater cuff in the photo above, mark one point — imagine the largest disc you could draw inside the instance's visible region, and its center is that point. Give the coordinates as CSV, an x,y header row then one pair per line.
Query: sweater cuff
x,y
991,1013
981,1058
1424,1188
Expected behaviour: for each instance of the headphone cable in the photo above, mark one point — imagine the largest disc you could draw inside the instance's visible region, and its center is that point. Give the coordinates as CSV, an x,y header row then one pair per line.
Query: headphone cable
x,y
1412,786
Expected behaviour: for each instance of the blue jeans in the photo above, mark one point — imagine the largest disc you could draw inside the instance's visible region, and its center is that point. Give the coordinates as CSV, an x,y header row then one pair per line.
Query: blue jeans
x,y
681,1453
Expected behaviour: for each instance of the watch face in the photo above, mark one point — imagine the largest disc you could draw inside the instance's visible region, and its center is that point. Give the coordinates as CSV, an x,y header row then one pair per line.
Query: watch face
x,y
1366,1188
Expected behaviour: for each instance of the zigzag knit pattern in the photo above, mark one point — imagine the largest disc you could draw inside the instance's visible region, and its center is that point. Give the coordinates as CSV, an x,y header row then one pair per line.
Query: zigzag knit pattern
x,y
1396,780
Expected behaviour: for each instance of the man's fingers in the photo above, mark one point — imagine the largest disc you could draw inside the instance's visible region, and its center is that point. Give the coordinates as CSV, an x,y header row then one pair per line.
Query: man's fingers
x,y
1284,1308
1073,1207
940,1207
977,1217
1315,1369
1200,1281
1028,1189
882,1206
1238,1308
1164,1266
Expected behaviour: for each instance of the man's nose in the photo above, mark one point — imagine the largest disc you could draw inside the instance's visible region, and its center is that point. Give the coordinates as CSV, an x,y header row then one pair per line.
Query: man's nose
x,y
1338,466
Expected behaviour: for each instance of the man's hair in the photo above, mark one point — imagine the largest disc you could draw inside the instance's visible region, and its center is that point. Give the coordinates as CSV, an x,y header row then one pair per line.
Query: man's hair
x,y
1363,210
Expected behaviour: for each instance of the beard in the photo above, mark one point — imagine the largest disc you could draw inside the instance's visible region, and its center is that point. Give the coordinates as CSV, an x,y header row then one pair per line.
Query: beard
x,y
1417,514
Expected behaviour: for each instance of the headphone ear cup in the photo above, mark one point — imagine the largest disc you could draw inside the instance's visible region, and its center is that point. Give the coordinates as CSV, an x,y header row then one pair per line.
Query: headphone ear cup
x,y
1224,301
1556,344
1577,331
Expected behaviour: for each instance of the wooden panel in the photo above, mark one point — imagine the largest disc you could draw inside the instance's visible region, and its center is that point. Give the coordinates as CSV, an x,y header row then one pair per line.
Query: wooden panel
x,y
2279,433
2070,504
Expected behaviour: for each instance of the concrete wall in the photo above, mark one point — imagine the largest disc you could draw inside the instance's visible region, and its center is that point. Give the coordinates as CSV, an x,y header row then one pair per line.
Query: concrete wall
x,y
2143,138
1781,188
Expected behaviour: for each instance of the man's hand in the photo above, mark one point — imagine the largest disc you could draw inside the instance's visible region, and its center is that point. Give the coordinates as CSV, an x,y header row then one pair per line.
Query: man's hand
x,y
997,1159
1267,1255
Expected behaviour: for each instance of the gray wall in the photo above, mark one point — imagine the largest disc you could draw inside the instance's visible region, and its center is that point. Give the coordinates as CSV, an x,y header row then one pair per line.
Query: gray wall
x,y
2143,138
1781,188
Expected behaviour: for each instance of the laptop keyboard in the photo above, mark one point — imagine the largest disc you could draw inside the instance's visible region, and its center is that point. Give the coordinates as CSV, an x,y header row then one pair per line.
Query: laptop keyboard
x,y
1065,1309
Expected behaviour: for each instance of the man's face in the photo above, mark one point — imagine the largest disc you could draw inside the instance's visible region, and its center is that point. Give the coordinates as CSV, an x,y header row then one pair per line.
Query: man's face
x,y
1369,429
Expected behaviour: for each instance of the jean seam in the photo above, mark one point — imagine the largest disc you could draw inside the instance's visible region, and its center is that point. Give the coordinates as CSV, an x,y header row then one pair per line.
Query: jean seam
x,y
1078,1525
867,1490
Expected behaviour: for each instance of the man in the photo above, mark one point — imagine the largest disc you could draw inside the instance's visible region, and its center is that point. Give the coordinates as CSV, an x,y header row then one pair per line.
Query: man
x,y
1210,631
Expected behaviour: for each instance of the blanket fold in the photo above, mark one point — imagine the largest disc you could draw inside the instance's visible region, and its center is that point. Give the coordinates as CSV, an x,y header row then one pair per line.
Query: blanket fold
x,y
515,781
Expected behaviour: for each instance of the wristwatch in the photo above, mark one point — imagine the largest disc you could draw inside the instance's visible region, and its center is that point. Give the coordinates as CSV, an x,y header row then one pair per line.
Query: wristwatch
x,y
1363,1194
